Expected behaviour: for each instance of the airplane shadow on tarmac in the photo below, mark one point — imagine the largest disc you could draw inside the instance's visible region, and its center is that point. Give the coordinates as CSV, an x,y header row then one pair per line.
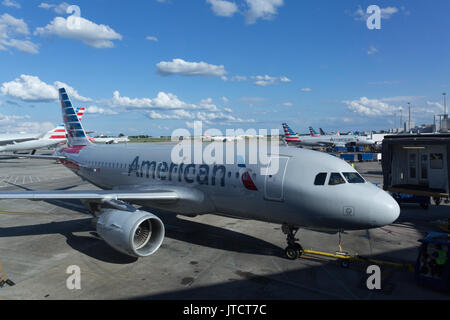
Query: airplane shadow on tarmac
x,y
178,229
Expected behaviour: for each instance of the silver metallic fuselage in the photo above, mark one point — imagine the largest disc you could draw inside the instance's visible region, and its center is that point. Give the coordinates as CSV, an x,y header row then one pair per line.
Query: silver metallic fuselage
x,y
288,196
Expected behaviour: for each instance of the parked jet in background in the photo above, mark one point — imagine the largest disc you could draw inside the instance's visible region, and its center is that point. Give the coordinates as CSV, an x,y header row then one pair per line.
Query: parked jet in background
x,y
337,140
53,138
316,141
309,189
110,140
222,138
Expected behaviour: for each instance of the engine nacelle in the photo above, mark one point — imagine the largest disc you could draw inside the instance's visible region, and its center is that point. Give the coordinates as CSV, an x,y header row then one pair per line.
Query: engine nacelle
x,y
138,233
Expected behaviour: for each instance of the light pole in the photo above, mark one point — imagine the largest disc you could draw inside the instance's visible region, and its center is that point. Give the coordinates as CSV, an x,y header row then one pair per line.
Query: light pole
x,y
445,105
409,116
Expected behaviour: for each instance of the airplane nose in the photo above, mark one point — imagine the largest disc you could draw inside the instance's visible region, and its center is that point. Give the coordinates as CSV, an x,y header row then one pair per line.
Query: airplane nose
x,y
385,209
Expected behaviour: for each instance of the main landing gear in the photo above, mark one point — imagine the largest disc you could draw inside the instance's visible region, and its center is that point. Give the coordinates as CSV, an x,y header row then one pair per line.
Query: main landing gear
x,y
294,249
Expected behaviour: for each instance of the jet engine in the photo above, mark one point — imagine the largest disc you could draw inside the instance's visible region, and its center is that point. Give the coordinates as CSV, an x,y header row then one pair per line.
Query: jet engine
x,y
137,233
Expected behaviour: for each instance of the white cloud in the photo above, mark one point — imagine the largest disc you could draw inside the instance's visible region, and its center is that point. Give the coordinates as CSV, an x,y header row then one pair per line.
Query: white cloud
x,y
79,28
11,27
223,8
306,89
32,89
225,100
228,110
261,9
59,9
152,38
372,50
98,110
185,68
288,104
266,80
10,3
386,13
371,107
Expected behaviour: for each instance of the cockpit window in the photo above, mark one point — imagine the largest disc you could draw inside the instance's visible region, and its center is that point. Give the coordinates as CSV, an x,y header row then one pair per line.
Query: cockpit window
x,y
320,179
353,177
336,178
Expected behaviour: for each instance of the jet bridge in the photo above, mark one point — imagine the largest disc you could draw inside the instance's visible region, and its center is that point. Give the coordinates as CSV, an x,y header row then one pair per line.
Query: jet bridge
x,y
417,164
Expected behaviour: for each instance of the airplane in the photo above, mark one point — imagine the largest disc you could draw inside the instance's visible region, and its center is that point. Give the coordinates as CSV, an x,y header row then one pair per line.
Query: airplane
x,y
322,133
50,139
313,132
222,138
110,140
325,140
310,189
290,137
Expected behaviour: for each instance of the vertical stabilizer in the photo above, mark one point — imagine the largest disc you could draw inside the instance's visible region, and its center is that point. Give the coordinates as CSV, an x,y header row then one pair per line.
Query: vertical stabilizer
x,y
76,136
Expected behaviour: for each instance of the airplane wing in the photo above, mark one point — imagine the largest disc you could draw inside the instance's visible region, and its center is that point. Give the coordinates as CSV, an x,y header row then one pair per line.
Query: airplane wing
x,y
101,195
31,156
10,140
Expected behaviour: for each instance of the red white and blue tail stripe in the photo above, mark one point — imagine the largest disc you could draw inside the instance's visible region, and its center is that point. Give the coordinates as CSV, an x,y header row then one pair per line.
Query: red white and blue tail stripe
x,y
76,136
289,135
313,132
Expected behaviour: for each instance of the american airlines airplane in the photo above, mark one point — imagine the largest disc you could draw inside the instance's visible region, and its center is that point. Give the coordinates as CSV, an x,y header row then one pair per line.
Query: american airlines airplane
x,y
110,140
310,189
222,138
53,138
290,137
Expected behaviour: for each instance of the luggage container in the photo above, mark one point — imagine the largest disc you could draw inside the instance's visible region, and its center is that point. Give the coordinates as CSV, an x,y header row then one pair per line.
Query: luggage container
x,y
365,157
348,157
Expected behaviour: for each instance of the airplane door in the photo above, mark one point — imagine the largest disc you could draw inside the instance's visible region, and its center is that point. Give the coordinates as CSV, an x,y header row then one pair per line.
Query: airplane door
x,y
412,167
274,182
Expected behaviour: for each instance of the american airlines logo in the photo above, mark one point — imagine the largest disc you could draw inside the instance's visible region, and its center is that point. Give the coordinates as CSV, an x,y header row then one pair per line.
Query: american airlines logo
x,y
189,173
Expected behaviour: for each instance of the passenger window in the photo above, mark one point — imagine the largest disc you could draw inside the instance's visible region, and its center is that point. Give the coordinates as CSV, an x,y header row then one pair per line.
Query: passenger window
x,y
353,177
320,179
335,179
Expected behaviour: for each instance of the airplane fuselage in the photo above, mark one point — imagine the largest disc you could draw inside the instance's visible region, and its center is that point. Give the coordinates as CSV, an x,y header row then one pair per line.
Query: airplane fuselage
x,y
240,190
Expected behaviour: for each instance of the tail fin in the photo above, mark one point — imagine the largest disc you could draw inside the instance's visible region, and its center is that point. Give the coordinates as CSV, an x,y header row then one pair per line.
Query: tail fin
x,y
338,133
312,132
287,130
58,133
76,136
322,132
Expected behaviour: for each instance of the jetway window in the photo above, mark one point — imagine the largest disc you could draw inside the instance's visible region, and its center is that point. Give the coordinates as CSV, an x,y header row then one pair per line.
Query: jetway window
x,y
436,161
353,177
335,179
320,179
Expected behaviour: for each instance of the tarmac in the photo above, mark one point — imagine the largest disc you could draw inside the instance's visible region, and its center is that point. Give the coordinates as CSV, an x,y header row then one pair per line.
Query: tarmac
x,y
205,257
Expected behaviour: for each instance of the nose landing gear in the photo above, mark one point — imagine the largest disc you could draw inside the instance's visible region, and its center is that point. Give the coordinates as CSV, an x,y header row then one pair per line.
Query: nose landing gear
x,y
294,249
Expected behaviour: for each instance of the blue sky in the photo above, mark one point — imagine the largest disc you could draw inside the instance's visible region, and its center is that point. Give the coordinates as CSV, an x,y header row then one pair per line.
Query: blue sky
x,y
150,67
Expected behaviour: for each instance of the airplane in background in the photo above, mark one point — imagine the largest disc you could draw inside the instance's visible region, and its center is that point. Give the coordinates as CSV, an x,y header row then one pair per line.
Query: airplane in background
x,y
310,189
53,138
110,140
324,140
222,138
313,132
290,137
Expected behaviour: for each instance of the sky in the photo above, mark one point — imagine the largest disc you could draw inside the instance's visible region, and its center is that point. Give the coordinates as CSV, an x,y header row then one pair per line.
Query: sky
x,y
151,67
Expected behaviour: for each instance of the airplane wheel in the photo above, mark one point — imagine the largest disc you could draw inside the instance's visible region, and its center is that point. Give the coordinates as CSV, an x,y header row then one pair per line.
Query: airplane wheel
x,y
291,252
299,249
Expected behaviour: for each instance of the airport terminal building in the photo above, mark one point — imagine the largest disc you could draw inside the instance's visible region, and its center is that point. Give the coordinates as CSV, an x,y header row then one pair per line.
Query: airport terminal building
x,y
417,164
